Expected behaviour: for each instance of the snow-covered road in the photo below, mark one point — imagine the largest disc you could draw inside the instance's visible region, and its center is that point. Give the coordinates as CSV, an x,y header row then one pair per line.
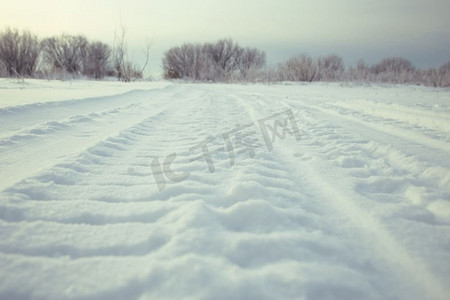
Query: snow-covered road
x,y
208,191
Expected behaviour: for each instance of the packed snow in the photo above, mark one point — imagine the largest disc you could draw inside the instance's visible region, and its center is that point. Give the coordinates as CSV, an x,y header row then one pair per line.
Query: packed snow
x,y
159,190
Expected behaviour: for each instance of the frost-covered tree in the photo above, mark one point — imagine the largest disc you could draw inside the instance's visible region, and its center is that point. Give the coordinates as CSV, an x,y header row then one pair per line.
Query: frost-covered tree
x,y
395,65
395,70
299,68
218,61
331,67
251,59
224,55
361,72
444,73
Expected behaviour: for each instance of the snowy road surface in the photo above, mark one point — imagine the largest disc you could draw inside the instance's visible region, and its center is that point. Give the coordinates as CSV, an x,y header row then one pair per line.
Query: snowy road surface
x,y
203,191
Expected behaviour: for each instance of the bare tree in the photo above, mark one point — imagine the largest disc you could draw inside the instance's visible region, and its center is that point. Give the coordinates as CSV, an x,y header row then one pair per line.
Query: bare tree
x,y
395,65
96,62
444,73
251,59
186,62
146,51
211,61
224,55
362,70
331,67
431,77
19,52
175,64
197,64
299,68
394,70
66,53
3,69
125,69
120,56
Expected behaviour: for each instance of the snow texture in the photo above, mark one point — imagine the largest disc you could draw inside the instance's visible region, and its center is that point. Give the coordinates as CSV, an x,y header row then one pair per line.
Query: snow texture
x,y
217,191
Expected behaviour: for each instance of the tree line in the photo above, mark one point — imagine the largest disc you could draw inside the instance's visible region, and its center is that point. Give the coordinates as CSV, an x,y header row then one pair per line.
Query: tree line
x,y
227,61
23,54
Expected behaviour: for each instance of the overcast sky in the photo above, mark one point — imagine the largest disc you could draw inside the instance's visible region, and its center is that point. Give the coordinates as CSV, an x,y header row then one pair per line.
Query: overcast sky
x,y
415,29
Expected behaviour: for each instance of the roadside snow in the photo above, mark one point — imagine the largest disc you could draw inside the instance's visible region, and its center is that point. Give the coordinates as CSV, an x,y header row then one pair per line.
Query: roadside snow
x,y
17,93
161,190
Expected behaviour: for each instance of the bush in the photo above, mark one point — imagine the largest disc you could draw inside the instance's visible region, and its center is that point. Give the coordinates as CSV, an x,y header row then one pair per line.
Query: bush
x,y
331,67
444,73
299,68
250,61
220,61
186,62
65,53
18,53
22,55
96,62
395,70
224,57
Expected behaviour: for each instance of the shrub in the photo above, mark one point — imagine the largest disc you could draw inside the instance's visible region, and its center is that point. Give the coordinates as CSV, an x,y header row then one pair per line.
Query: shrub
x,y
96,62
331,67
18,52
299,68
220,61
65,53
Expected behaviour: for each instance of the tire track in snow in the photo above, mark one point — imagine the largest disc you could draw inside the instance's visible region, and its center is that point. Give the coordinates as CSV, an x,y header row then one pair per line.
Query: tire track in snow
x,y
420,117
402,134
127,157
386,247
67,137
260,214
17,117
401,189
394,163
409,271
49,127
260,209
282,222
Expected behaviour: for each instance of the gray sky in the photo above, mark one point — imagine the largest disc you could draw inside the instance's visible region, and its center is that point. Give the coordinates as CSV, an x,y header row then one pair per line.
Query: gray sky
x,y
353,29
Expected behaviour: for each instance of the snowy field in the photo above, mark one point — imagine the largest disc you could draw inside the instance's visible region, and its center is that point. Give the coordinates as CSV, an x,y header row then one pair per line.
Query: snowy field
x,y
158,190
